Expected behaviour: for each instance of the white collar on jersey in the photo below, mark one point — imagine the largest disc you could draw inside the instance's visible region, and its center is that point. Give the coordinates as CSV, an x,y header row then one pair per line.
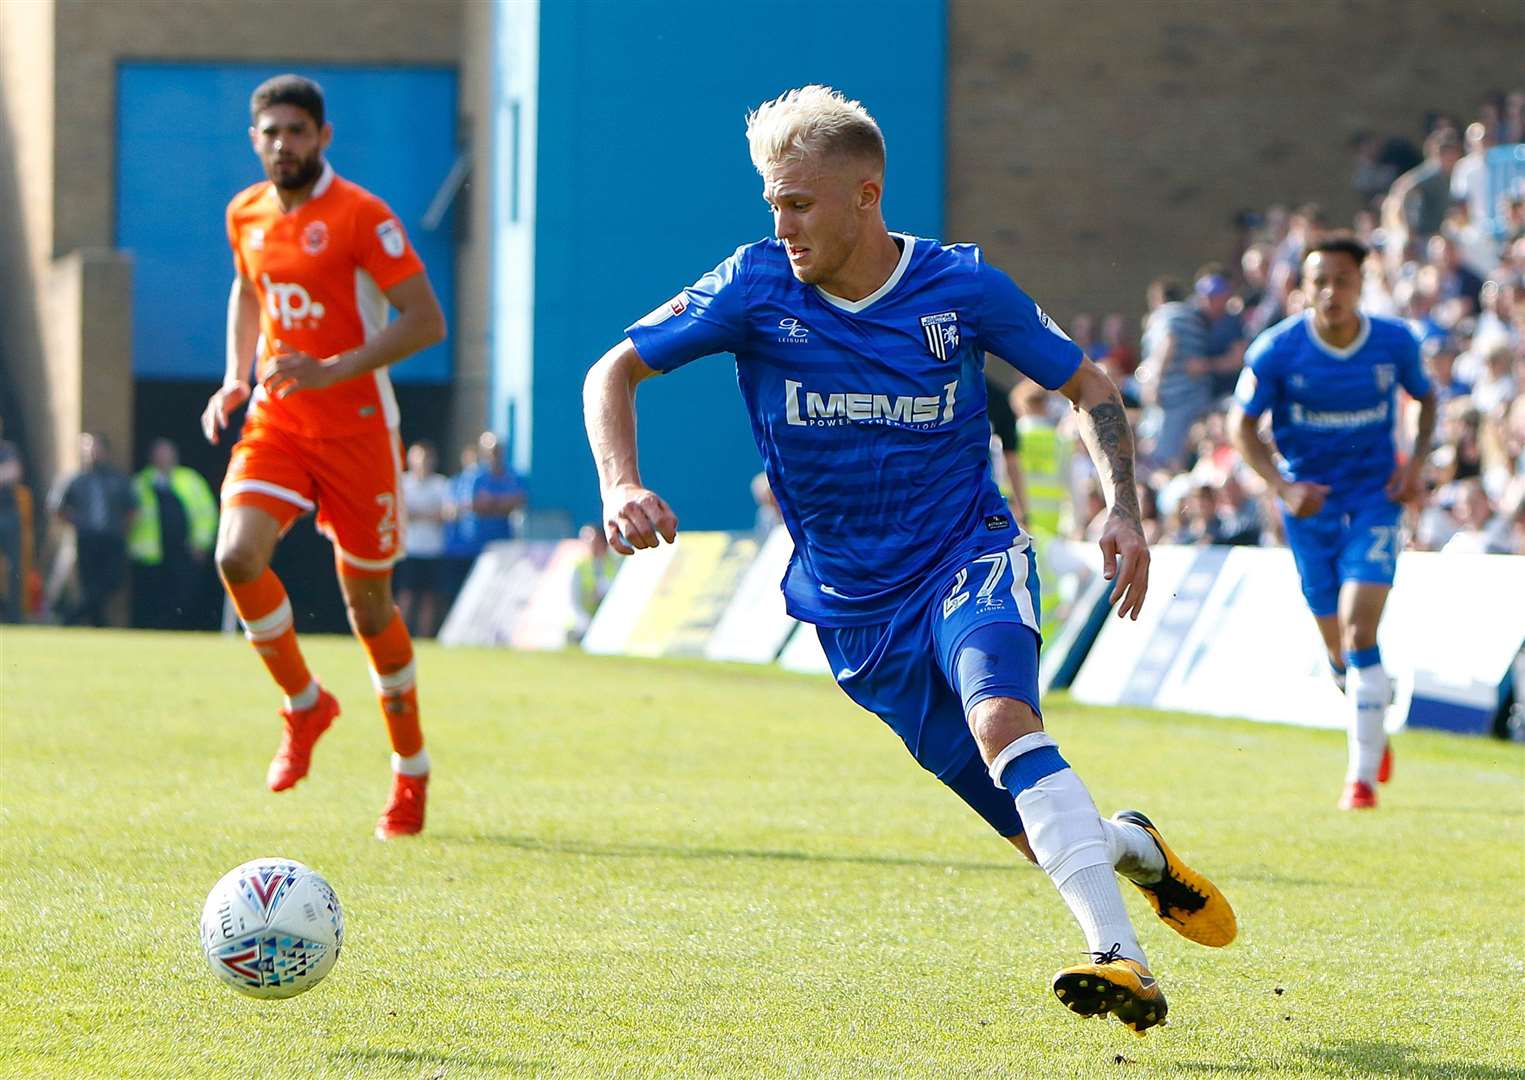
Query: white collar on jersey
x,y
325,181
855,306
1339,354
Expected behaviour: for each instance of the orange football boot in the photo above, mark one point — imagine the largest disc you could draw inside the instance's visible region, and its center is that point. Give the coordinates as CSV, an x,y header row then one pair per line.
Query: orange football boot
x,y
302,728
1385,770
1358,796
404,813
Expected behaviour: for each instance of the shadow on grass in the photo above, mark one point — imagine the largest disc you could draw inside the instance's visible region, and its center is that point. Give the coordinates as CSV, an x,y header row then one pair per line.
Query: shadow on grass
x,y
466,1064
673,851
1368,1057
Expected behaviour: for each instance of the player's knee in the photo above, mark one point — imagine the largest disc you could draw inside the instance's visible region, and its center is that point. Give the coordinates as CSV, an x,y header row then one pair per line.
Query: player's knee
x,y
239,563
998,722
1355,635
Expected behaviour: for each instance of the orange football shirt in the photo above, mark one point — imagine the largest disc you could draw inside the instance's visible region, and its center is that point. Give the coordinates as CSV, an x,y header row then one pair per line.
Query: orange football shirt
x,y
321,272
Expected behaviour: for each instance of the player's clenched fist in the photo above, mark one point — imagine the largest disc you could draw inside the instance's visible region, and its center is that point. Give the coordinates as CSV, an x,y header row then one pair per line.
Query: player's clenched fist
x,y
1304,499
214,418
636,517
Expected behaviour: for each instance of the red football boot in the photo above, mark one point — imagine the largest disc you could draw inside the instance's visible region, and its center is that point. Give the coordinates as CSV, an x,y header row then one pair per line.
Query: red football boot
x,y
404,813
1385,770
303,726
1358,796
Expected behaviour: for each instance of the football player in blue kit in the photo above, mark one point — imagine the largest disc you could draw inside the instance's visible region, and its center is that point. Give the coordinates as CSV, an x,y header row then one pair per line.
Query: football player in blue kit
x,y
859,354
1329,378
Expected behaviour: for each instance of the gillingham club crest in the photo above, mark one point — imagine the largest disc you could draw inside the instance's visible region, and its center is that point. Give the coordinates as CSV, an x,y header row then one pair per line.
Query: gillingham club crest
x,y
941,332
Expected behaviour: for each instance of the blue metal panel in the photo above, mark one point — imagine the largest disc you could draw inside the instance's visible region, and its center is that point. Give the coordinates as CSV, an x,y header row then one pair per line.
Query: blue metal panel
x,y
183,152
644,183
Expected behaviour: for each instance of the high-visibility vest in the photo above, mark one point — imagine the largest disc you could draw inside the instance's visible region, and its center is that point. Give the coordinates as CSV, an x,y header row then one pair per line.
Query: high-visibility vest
x,y
593,578
1045,461
144,543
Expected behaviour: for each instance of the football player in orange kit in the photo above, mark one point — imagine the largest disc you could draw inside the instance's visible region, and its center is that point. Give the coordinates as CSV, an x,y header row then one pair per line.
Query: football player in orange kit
x,y
318,261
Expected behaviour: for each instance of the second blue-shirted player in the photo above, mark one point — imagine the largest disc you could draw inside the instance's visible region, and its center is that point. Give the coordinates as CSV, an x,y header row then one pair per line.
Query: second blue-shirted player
x,y
859,353
1329,379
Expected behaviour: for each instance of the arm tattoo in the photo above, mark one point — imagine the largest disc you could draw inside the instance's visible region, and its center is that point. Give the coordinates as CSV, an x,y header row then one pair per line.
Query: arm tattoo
x,y
1111,442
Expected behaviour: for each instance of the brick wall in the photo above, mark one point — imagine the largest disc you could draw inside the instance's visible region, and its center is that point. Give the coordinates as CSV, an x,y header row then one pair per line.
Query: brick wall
x,y
1094,144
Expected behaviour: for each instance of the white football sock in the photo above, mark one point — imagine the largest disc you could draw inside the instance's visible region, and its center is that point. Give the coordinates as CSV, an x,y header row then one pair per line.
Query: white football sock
x,y
1066,836
1134,853
304,700
1367,690
412,765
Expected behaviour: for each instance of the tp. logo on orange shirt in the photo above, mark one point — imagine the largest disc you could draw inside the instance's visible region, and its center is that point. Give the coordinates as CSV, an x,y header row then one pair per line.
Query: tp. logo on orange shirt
x,y
291,304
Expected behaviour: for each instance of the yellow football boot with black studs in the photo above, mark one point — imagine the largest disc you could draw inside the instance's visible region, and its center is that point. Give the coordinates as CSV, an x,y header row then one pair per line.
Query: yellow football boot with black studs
x,y
1185,900
1112,983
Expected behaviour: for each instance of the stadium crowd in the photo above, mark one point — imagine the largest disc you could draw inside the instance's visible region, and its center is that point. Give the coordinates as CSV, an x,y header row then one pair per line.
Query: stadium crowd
x,y
1442,258
1445,224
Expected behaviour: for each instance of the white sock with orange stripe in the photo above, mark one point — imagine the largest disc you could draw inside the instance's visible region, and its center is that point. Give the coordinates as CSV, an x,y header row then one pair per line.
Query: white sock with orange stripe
x,y
394,675
265,611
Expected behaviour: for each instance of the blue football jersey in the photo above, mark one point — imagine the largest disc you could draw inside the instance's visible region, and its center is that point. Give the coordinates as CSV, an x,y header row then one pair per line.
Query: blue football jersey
x,y
1333,410
869,414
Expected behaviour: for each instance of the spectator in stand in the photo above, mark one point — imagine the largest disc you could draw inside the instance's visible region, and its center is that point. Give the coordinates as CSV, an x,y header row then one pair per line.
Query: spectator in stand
x,y
12,532
1469,180
1479,531
419,578
99,504
1512,128
459,553
767,517
1304,226
1373,172
1440,364
1115,340
1264,303
1496,389
1083,333
1175,377
486,496
1416,206
1239,521
1457,281
592,577
1225,341
1198,515
170,540
1006,444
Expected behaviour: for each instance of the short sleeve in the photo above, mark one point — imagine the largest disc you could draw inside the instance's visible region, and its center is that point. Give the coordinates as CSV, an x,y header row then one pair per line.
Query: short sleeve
x,y
1015,328
1411,373
1259,383
381,245
707,317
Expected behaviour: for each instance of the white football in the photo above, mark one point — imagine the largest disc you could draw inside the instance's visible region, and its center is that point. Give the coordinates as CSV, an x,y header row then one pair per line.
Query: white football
x,y
272,928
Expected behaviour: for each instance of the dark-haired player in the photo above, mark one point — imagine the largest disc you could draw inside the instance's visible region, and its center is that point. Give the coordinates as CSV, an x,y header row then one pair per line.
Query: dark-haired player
x,y
1329,378
319,261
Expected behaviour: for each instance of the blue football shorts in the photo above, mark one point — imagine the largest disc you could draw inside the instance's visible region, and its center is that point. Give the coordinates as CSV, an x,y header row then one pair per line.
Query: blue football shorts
x,y
1344,542
963,637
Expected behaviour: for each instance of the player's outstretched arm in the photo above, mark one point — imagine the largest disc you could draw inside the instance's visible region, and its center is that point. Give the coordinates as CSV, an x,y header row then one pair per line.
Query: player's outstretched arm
x,y
1303,499
634,516
243,338
419,324
1109,439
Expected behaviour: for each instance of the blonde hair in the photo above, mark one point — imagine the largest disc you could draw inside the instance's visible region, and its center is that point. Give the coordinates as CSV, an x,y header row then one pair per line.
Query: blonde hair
x,y
812,121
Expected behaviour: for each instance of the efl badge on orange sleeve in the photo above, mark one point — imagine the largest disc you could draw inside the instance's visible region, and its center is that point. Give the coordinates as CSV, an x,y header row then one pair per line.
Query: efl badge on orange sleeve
x,y
390,235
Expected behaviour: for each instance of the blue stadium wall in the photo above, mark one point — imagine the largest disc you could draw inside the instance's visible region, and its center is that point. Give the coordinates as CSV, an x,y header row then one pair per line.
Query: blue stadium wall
x,y
183,152
642,183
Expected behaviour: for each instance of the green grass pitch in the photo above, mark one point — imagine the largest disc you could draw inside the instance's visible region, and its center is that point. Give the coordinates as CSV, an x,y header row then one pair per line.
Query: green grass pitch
x,y
656,869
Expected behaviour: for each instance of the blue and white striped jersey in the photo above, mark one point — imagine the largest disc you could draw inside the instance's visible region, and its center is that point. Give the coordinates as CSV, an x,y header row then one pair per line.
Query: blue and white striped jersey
x,y
1333,410
869,414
